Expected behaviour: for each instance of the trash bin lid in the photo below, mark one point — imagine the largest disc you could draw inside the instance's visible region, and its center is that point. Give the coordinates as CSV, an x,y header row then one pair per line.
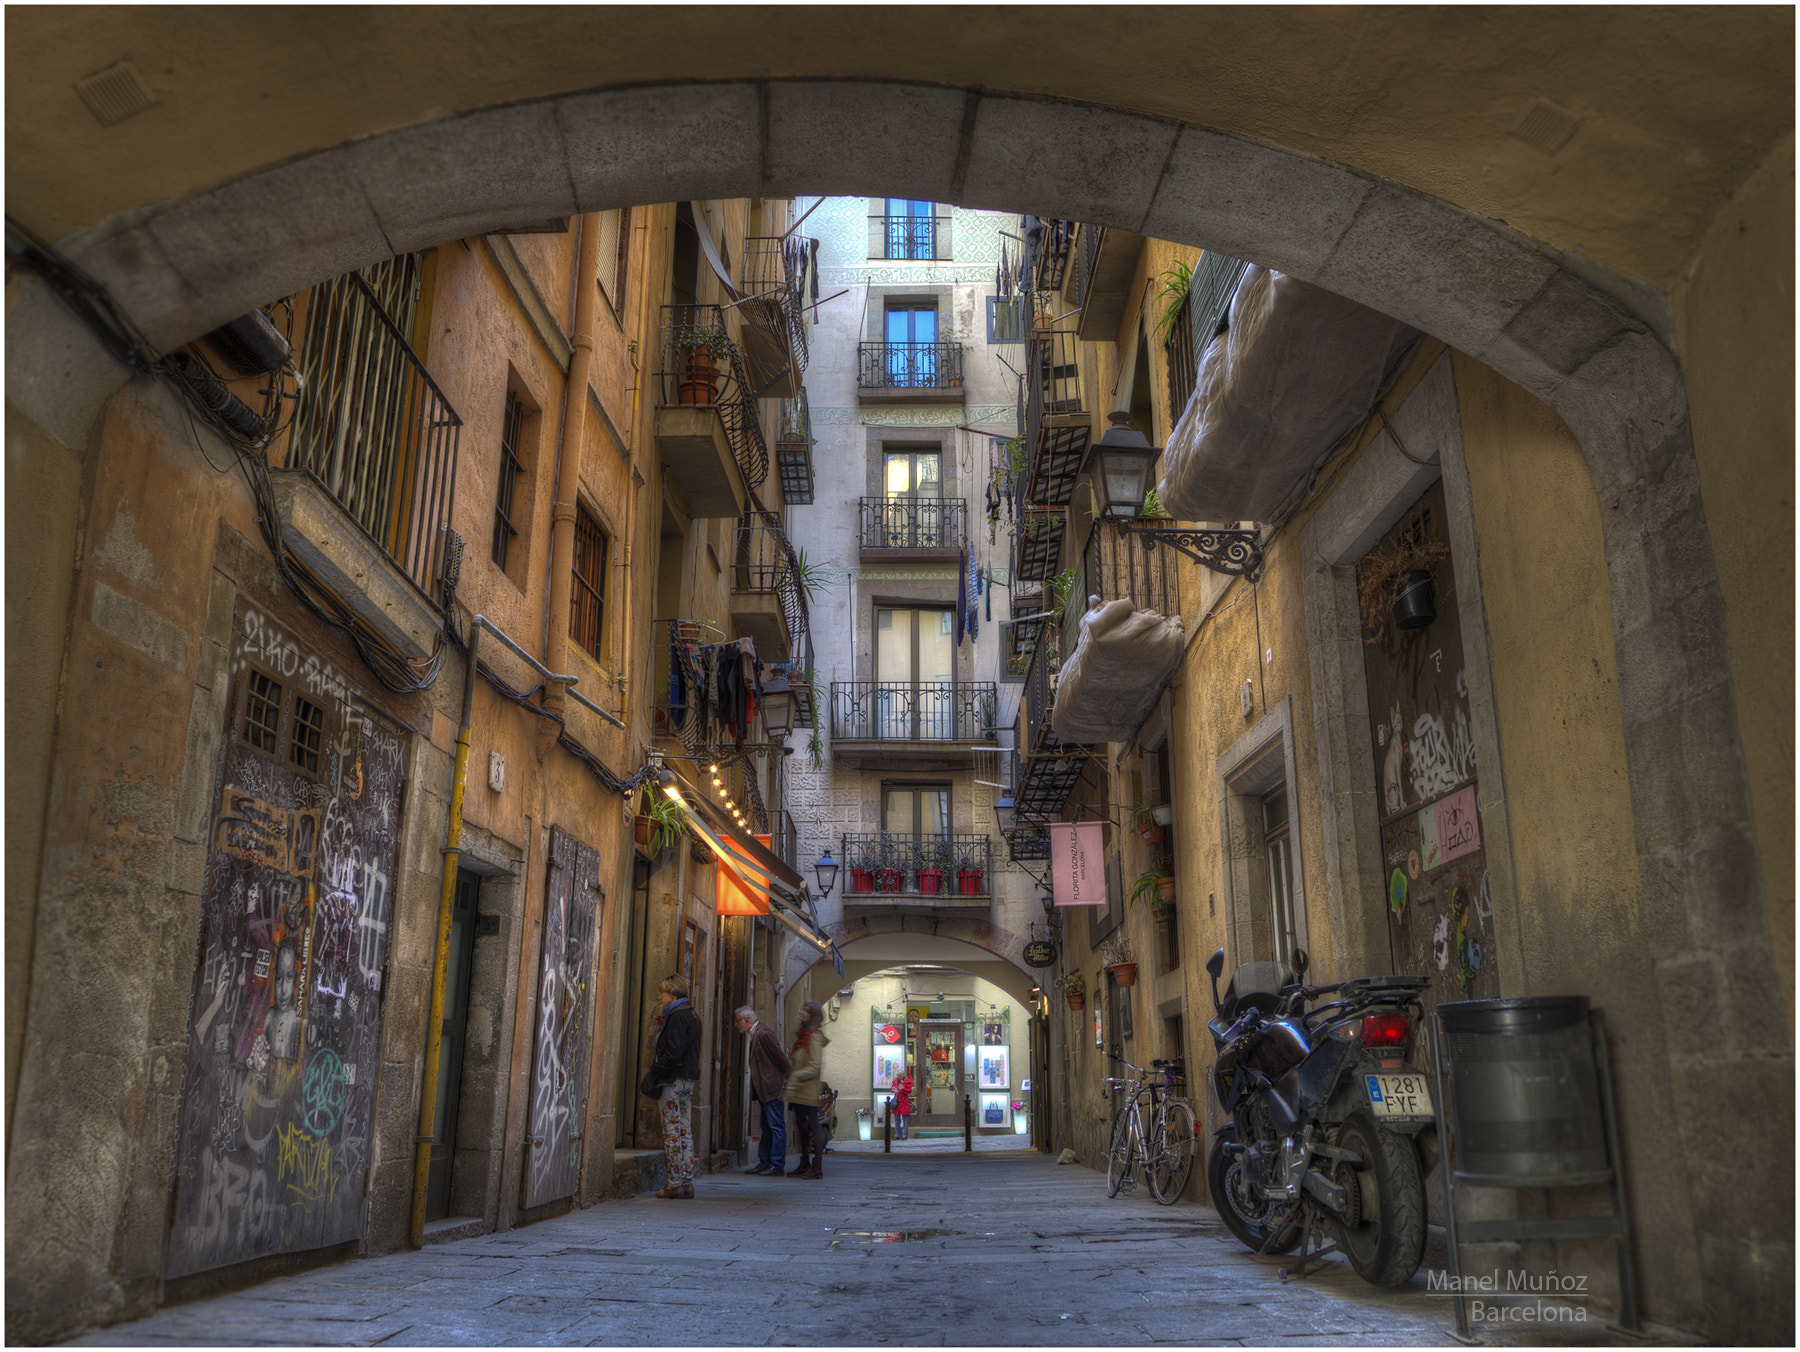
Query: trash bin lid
x,y
1516,1015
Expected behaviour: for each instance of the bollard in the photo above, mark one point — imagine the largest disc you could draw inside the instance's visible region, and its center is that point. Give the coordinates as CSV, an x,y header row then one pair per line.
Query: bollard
x,y
887,1129
968,1124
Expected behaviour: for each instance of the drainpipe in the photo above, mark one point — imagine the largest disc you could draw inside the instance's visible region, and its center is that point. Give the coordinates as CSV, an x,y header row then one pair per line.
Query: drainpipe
x,y
568,470
434,1028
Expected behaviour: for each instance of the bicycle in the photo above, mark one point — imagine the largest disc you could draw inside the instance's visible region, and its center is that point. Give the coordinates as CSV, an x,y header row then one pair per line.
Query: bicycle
x,y
1165,1149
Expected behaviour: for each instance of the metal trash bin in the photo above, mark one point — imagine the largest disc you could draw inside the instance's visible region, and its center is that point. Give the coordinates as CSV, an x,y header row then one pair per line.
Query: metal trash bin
x,y
1524,1097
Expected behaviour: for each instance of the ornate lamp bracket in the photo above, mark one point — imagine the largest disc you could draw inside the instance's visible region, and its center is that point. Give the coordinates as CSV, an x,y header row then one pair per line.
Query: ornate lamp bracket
x,y
1237,552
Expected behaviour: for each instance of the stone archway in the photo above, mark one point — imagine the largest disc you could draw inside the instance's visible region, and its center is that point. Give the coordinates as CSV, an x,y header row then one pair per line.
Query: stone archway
x,y
1530,311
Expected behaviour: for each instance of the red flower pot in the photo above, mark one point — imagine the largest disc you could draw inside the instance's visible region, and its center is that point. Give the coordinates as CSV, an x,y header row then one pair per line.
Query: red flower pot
x,y
931,881
861,880
888,879
968,882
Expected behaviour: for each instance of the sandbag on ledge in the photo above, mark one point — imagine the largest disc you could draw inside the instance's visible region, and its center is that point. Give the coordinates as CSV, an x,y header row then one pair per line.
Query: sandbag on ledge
x,y
1120,665
1296,368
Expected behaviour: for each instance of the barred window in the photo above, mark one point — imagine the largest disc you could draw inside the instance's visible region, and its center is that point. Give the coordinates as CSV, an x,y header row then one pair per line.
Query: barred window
x,y
262,713
511,430
588,596
308,736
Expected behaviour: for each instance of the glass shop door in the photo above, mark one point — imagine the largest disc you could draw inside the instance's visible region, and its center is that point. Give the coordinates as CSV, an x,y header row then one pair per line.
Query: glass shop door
x,y
938,1100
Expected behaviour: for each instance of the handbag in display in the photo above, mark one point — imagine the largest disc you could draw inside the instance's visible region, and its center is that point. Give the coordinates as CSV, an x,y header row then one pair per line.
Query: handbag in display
x,y
993,1114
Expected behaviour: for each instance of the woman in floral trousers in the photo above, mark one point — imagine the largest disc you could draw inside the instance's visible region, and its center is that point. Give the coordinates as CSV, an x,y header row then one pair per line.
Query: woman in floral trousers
x,y
676,1068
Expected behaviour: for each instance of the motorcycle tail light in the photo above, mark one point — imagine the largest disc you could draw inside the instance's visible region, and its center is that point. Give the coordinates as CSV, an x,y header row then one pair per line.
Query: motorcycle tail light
x,y
1385,1030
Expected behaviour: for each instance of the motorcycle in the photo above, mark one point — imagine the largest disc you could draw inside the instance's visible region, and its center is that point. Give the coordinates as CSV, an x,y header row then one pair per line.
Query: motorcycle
x,y
1331,1130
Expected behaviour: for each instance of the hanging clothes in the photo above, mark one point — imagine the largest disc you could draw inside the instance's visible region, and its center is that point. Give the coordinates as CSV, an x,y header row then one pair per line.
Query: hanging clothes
x,y
962,595
677,689
987,595
974,593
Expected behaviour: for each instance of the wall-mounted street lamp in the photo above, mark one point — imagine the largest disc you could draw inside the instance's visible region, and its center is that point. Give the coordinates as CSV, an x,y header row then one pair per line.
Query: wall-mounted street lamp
x,y
778,707
826,871
1124,458
1005,813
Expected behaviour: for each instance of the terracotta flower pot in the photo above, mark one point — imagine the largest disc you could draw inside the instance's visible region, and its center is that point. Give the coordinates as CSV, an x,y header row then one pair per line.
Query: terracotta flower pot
x,y
1165,889
1151,832
640,831
699,379
1075,998
1125,973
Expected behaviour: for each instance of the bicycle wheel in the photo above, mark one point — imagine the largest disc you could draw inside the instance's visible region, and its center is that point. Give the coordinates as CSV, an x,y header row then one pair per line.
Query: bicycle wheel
x,y
1118,1160
1171,1159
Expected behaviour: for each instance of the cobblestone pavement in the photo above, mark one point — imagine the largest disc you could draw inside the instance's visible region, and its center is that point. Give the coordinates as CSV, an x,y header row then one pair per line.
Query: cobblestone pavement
x,y
928,1247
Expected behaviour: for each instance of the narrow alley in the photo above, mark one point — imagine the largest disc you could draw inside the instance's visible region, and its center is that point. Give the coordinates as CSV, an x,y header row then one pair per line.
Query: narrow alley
x,y
929,1247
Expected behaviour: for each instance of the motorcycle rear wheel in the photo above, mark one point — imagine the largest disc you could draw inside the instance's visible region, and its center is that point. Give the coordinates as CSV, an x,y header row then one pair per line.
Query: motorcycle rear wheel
x,y
1387,1243
1119,1158
1244,1215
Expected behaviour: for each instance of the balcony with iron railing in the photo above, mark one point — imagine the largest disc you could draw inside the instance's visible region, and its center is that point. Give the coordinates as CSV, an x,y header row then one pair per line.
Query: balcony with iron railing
x,y
1047,244
1115,563
1105,279
922,871
1047,768
911,719
793,451
910,238
1058,420
707,428
785,839
368,480
774,313
909,527
914,373
767,602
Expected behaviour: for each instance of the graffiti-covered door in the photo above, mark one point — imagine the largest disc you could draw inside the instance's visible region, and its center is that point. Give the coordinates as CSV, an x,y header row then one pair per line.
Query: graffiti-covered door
x,y
284,1039
559,1072
1439,920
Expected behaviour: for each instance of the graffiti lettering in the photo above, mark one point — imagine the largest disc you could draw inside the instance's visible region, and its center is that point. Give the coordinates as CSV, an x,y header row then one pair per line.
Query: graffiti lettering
x,y
323,1093
304,1164
1441,759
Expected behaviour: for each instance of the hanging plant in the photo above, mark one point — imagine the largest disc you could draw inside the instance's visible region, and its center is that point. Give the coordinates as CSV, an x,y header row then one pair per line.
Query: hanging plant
x,y
1175,280
668,823
1385,575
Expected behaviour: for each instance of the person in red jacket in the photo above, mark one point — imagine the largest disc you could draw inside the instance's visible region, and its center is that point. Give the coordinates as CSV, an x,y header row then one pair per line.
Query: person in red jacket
x,y
903,1087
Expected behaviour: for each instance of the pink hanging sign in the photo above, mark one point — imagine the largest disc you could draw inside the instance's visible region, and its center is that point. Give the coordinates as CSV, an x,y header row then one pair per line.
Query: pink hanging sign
x,y
1077,864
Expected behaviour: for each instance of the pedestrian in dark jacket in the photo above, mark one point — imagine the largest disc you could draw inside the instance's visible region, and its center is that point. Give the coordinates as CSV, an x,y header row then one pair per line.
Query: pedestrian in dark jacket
x,y
676,1068
808,1055
769,1067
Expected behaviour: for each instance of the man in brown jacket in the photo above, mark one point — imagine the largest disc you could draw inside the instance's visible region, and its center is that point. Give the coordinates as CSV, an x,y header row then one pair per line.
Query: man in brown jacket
x,y
769,1067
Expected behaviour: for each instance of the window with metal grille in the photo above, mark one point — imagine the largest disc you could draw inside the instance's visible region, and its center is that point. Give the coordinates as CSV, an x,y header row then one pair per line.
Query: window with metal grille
x,y
588,598
262,713
308,736
511,429
1180,352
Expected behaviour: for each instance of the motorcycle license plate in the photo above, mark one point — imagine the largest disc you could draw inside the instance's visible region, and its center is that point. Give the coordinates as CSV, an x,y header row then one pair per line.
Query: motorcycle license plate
x,y
1394,1097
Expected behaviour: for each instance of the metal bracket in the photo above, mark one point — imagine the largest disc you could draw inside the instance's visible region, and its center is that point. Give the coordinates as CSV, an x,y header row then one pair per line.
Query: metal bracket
x,y
1235,552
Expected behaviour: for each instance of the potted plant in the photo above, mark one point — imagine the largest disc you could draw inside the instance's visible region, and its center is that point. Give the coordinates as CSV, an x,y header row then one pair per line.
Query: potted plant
x,y
1394,583
1175,280
1117,955
667,821
969,859
860,860
1149,817
934,856
700,354
1073,986
889,876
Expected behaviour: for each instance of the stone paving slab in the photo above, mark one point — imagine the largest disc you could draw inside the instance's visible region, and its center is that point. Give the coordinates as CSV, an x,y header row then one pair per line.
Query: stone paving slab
x,y
921,1248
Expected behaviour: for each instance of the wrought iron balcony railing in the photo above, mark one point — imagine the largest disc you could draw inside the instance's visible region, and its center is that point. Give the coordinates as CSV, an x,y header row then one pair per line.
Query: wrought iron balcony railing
x,y
909,366
702,366
885,864
375,429
912,523
1115,563
913,237
1053,392
921,711
786,842
765,561
1047,243
773,282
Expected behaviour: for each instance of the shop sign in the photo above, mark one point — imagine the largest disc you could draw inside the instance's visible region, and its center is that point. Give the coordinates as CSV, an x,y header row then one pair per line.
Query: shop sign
x,y
1040,953
1077,864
